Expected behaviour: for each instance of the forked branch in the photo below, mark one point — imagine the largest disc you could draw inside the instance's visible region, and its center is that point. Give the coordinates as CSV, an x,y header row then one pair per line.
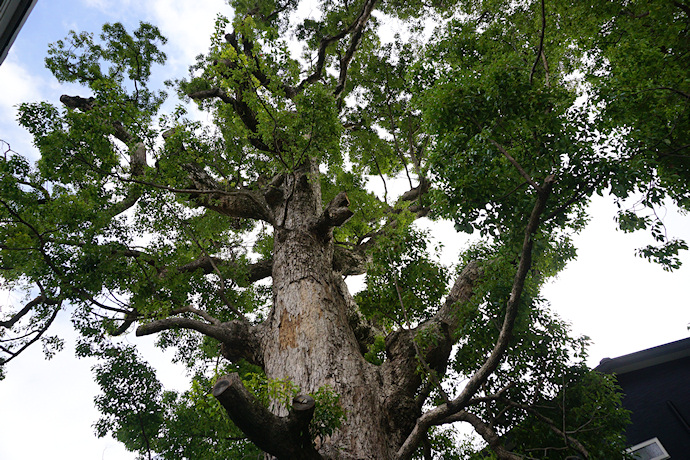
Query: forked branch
x,y
356,28
444,411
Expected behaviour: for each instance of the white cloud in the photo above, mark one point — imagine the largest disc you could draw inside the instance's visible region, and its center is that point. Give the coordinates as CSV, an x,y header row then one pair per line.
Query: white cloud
x,y
187,25
24,86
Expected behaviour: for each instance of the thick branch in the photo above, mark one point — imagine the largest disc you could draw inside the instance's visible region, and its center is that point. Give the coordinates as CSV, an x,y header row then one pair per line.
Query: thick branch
x,y
417,191
255,272
211,94
247,204
284,437
77,102
442,327
348,261
239,338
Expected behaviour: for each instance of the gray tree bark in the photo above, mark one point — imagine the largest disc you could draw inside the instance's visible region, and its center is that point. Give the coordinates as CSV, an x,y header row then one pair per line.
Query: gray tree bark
x,y
307,337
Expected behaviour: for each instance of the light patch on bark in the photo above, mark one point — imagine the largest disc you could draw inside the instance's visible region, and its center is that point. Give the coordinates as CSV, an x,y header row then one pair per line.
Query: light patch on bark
x,y
288,330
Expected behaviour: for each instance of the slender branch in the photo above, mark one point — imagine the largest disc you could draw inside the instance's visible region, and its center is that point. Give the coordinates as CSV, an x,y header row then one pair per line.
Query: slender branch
x,y
354,44
41,299
514,162
39,334
248,49
221,279
569,440
541,41
137,156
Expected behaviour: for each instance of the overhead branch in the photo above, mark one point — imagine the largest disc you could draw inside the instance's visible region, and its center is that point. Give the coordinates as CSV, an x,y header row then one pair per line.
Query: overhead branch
x,y
356,27
357,33
239,338
417,191
211,94
38,334
246,204
435,415
540,51
137,151
255,271
77,102
267,82
284,437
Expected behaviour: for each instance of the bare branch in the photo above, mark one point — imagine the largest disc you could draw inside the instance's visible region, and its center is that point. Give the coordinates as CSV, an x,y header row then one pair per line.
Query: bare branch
x,y
239,338
41,299
485,431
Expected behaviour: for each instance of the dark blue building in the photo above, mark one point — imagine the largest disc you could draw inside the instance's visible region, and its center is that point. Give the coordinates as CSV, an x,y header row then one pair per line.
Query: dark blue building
x,y
656,383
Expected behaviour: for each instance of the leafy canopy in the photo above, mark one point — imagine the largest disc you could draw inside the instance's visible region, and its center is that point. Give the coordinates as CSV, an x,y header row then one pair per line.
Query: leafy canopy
x,y
123,216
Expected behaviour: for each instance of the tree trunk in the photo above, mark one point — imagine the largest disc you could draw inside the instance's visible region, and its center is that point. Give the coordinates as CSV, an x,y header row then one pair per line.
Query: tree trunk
x,y
307,337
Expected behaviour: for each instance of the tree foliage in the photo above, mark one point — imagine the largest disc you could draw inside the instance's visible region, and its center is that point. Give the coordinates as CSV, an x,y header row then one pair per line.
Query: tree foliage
x,y
506,121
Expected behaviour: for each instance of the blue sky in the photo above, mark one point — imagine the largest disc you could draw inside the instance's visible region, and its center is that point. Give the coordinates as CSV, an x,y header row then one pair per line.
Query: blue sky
x,y
622,302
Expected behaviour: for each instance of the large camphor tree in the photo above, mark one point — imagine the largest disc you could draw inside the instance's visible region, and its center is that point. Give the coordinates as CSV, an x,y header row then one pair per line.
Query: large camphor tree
x,y
231,237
